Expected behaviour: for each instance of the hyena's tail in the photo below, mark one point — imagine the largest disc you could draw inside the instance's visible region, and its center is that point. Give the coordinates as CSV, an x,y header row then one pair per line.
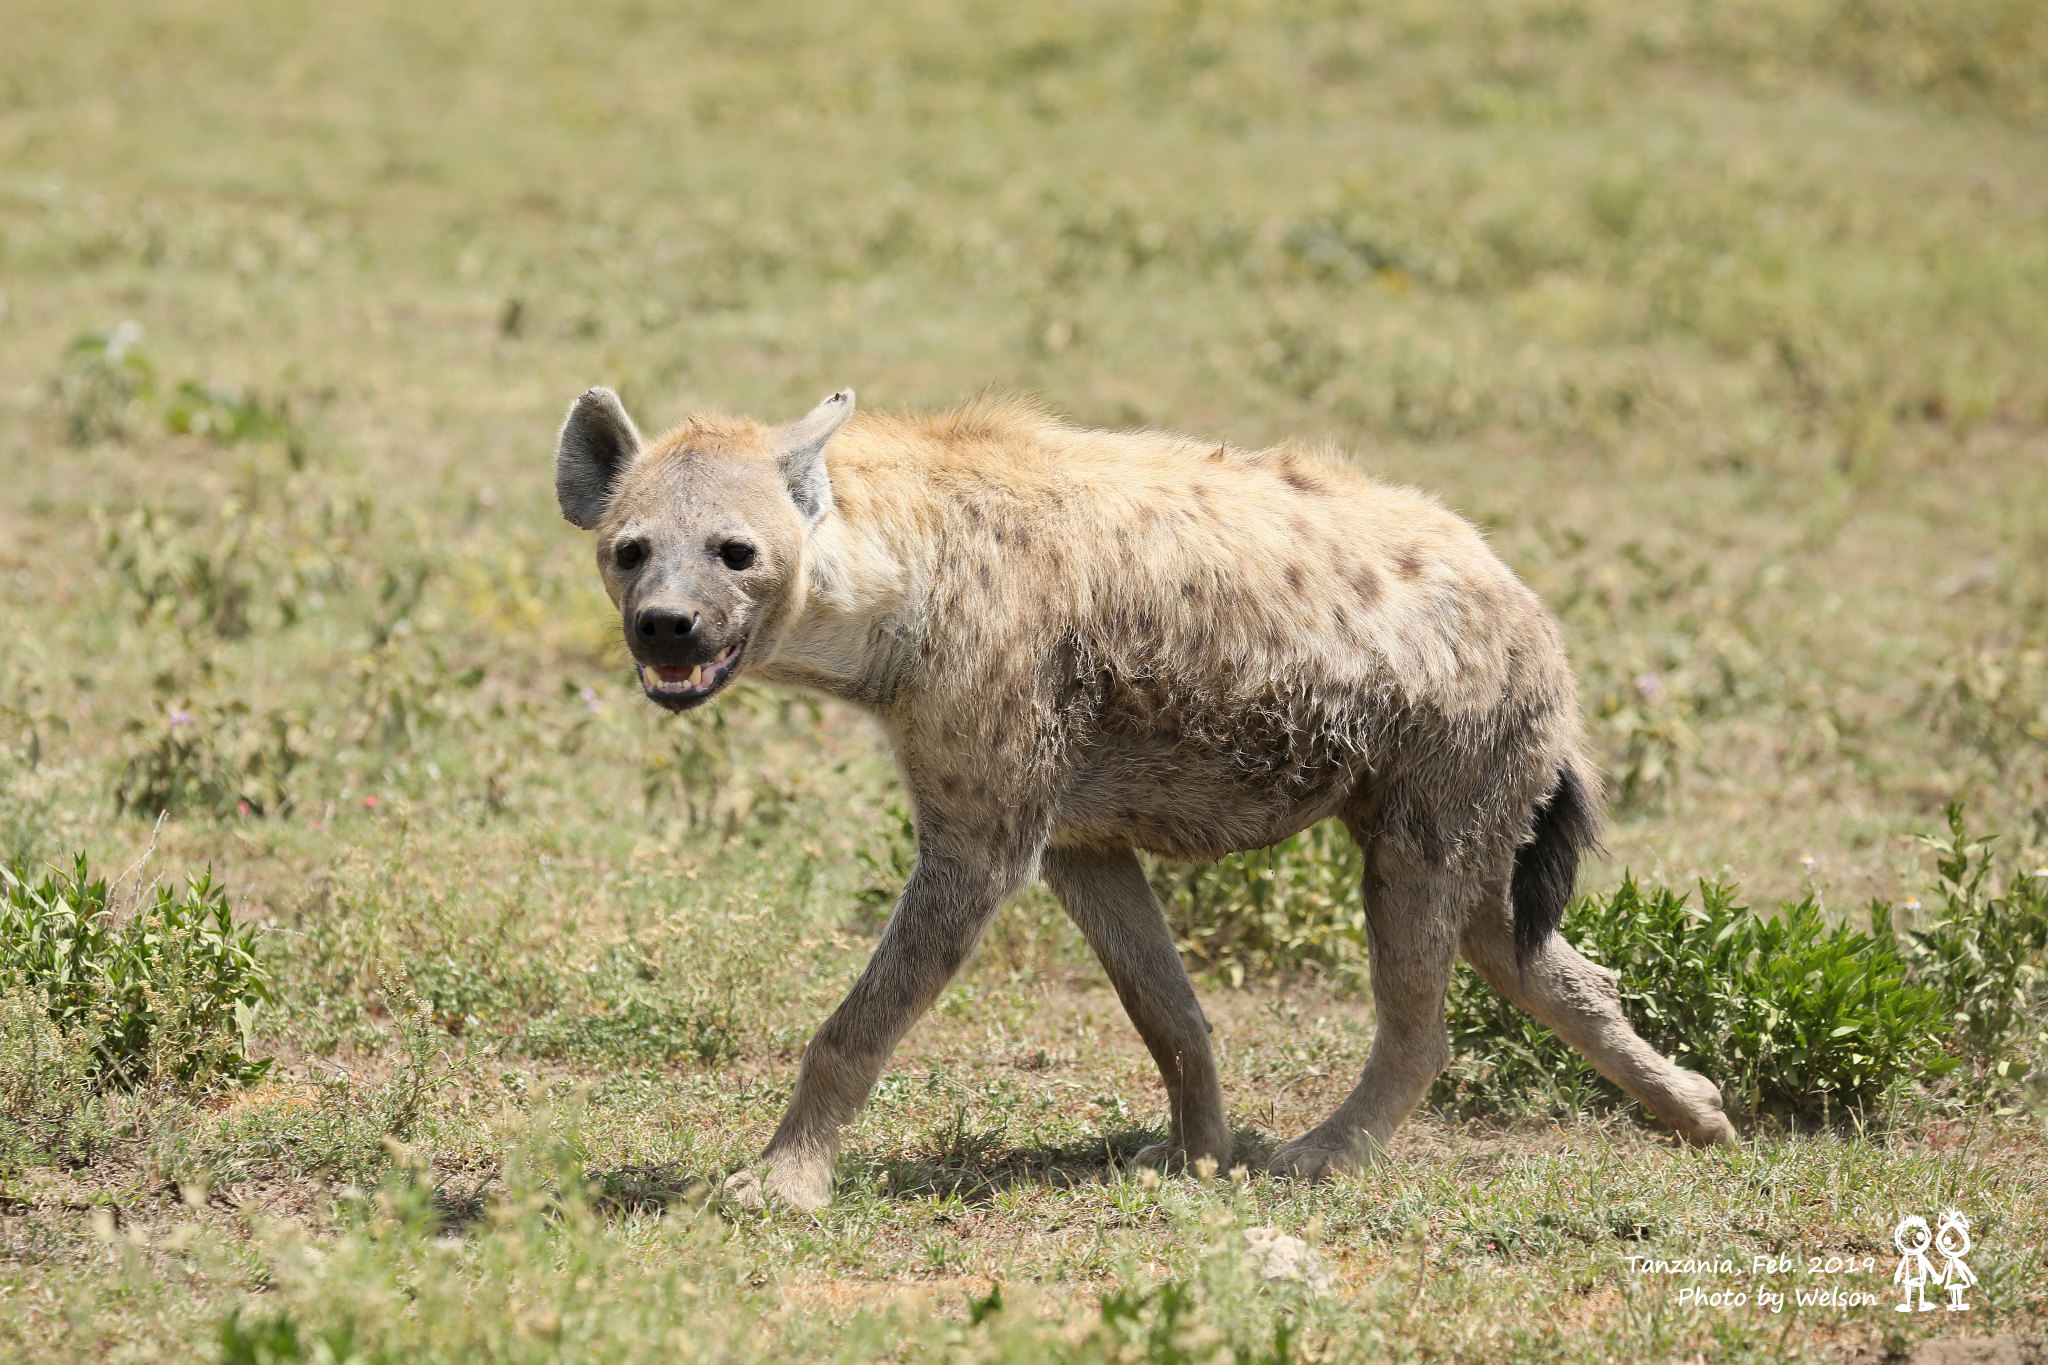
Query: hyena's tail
x,y
1547,867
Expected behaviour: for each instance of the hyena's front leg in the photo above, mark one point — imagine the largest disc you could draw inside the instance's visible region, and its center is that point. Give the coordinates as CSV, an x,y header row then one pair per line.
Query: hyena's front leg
x,y
944,910
1108,897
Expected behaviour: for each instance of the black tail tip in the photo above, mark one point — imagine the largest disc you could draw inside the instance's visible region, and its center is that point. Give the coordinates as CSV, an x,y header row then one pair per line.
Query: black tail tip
x,y
1547,867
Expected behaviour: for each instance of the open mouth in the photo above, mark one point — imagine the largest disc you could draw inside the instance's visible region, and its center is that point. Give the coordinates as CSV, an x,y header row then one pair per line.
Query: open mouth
x,y
677,686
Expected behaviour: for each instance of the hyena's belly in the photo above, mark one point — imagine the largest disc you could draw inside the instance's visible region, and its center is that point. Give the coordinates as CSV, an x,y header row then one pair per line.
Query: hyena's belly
x,y
1192,805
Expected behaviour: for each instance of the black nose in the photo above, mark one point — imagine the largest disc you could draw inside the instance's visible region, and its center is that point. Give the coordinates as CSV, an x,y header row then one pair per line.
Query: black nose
x,y
665,623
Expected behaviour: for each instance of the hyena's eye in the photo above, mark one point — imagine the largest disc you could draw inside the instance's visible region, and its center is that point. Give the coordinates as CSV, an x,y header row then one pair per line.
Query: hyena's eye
x,y
629,555
737,554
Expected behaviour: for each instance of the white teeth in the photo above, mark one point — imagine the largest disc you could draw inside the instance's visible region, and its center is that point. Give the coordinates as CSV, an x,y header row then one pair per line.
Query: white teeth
x,y
700,677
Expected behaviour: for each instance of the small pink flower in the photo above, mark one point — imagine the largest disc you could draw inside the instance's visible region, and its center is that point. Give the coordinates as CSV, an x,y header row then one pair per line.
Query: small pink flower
x,y
242,809
1648,685
371,801
179,719
590,701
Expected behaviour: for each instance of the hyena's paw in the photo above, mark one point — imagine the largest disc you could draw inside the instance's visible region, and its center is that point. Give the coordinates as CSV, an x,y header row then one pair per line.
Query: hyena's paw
x,y
1704,1125
796,1185
1319,1156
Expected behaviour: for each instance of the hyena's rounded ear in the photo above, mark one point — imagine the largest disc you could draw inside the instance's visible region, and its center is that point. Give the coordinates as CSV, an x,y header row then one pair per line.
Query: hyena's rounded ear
x,y
598,443
799,448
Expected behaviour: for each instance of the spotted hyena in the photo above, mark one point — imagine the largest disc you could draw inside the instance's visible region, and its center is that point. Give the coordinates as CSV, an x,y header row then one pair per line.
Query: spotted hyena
x,y
1086,643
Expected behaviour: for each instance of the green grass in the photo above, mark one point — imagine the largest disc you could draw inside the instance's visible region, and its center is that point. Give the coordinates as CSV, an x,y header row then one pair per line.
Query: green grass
x,y
1724,322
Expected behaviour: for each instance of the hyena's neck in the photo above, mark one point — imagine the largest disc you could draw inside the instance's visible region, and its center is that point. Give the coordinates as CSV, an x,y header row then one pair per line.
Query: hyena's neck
x,y
852,629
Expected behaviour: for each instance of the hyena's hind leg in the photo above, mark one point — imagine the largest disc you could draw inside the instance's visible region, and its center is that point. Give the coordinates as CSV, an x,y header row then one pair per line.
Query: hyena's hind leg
x,y
1109,899
1412,916
1578,1001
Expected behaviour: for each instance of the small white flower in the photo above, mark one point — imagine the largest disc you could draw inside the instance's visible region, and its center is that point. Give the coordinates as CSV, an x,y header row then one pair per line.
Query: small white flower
x,y
122,340
1648,685
1912,903
1279,1256
1806,860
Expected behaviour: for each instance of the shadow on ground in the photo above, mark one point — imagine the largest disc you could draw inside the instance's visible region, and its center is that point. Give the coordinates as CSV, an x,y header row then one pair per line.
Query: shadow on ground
x,y
974,1169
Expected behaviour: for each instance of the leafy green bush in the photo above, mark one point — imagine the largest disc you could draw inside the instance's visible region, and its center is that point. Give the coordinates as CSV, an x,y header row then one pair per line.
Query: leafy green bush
x,y
108,386
1993,702
405,690
1987,956
1275,911
260,562
199,583
1656,744
228,417
1794,1015
222,760
168,995
110,390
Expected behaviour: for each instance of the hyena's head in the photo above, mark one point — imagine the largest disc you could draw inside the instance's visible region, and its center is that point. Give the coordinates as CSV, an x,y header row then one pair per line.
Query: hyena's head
x,y
700,536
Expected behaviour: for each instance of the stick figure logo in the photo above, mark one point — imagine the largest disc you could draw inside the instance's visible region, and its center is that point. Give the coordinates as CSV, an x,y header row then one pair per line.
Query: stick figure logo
x,y
1916,1271
1912,1239
1953,1241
